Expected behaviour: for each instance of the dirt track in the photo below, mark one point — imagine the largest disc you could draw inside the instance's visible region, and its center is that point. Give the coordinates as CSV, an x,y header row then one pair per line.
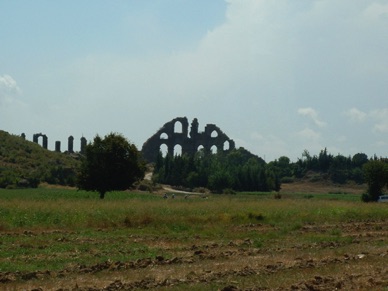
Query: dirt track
x,y
235,265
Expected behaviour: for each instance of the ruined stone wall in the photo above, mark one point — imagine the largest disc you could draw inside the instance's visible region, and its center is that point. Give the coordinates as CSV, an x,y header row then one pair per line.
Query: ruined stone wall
x,y
70,144
170,135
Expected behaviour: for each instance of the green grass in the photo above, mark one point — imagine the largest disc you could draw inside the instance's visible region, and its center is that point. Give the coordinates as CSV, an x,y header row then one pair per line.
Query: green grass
x,y
44,229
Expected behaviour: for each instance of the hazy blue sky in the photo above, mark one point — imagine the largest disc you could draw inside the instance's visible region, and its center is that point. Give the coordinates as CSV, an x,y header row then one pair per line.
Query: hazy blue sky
x,y
278,76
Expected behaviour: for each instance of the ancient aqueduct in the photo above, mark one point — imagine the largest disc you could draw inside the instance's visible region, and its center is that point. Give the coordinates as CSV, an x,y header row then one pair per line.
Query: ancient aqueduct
x,y
176,133
171,135
70,142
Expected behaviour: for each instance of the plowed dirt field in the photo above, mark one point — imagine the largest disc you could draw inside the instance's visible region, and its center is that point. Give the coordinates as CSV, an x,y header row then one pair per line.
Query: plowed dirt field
x,y
351,255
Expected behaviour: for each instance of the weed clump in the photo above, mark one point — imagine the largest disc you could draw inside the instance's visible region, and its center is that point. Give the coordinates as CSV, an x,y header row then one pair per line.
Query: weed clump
x,y
255,216
278,195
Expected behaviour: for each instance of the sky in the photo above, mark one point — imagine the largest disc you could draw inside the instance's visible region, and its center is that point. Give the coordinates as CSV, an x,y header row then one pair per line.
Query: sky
x,y
278,77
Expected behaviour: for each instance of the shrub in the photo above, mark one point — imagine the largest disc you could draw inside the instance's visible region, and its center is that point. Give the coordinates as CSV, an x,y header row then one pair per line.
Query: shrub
x,y
365,197
228,191
277,195
256,216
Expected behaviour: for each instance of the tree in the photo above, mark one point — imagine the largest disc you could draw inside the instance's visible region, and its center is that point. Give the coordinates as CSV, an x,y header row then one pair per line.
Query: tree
x,y
376,176
359,160
110,164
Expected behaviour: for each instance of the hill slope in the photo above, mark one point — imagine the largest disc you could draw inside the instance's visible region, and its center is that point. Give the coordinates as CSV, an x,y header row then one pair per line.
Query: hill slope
x,y
24,163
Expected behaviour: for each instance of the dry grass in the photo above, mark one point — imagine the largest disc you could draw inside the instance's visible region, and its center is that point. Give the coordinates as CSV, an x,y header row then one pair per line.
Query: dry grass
x,y
247,241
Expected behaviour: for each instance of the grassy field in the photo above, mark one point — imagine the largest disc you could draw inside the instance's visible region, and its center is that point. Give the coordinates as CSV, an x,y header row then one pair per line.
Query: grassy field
x,y
63,238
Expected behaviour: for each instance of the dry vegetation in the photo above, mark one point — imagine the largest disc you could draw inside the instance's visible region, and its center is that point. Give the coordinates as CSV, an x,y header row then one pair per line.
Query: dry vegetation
x,y
66,240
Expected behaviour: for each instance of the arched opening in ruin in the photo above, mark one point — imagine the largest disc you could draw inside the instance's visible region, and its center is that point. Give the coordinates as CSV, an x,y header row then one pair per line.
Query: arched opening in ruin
x,y
177,150
226,145
178,127
163,149
214,133
200,148
44,139
214,149
164,136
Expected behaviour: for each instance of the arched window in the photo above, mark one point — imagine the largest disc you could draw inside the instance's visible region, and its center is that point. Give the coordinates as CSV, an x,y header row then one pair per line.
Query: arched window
x,y
178,127
214,149
200,148
164,135
226,145
214,133
177,150
163,149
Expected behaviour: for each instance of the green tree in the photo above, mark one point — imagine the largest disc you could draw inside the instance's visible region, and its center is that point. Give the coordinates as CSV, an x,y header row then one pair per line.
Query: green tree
x,y
376,176
109,164
359,159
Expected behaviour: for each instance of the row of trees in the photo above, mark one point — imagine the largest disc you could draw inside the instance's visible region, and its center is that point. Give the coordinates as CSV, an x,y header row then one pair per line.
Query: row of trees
x,y
339,169
237,170
113,163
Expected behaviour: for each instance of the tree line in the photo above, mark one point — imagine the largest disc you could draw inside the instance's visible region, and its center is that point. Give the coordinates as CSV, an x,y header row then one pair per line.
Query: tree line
x,y
113,163
237,170
339,169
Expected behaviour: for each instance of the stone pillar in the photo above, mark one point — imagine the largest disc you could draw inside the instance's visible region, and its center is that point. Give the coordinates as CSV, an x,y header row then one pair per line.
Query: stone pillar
x,y
83,145
23,136
35,138
70,144
58,146
45,142
170,149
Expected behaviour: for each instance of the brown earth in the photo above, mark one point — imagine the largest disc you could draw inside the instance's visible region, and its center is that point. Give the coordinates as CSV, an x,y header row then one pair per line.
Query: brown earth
x,y
322,187
236,265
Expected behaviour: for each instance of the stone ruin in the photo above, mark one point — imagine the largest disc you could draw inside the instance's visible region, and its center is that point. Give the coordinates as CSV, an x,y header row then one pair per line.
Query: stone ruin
x,y
70,142
171,136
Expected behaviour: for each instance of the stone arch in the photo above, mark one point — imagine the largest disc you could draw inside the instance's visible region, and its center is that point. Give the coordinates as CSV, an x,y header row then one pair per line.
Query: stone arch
x,y
178,150
214,149
177,131
200,148
226,145
163,149
36,137
178,127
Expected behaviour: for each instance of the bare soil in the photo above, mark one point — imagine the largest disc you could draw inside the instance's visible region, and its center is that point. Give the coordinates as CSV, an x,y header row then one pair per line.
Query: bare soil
x,y
236,265
322,187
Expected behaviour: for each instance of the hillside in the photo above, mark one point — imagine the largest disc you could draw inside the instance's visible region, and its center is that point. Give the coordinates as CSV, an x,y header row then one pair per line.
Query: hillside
x,y
26,164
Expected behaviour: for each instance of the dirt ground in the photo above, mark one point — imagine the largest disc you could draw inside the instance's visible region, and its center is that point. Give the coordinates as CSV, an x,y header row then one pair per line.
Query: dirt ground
x,y
360,263
237,265
322,187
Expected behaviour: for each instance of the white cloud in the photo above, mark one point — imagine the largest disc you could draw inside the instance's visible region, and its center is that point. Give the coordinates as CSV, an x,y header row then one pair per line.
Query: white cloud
x,y
8,89
14,113
310,112
309,134
355,115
